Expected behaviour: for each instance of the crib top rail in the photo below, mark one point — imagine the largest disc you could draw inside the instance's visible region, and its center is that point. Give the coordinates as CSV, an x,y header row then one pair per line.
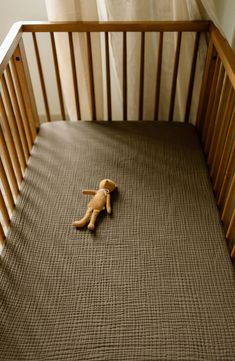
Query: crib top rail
x,y
12,39
116,26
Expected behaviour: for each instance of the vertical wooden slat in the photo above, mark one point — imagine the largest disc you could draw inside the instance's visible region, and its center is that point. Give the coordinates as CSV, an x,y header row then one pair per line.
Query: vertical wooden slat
x,y
192,77
12,123
109,104
57,73
225,155
174,79
6,186
91,75
2,235
19,119
4,211
214,112
227,176
231,228
10,142
74,74
222,134
5,153
206,83
210,101
229,200
124,77
233,252
141,91
23,74
41,76
23,111
158,80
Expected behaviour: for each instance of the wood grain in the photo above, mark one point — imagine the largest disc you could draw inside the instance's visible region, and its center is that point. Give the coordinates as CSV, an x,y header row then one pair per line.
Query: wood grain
x,y
74,74
91,76
174,79
116,26
57,73
7,159
158,80
108,80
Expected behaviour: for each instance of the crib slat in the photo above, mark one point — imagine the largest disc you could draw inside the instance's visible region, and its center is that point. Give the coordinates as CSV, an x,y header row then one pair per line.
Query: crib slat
x,y
233,252
19,119
4,211
222,134
109,104
7,159
174,79
141,91
74,74
57,73
192,77
231,228
227,176
6,186
10,142
205,87
25,121
210,101
91,75
214,112
2,235
225,155
220,99
158,81
41,76
13,125
25,85
124,77
229,199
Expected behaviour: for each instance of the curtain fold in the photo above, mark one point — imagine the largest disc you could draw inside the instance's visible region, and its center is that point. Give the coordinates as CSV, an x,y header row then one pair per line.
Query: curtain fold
x,y
109,10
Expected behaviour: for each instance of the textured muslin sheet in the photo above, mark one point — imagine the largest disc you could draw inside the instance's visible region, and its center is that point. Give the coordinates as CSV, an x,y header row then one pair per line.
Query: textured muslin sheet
x,y
153,282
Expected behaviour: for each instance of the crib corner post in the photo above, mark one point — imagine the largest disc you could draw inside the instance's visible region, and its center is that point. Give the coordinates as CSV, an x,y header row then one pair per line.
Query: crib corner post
x,y
21,65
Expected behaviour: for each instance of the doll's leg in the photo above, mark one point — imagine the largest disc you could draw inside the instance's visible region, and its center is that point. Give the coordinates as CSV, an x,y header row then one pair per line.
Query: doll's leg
x,y
82,222
94,215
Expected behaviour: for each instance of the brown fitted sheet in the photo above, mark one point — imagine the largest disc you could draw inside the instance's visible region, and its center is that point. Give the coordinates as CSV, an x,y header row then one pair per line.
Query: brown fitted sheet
x,y
153,282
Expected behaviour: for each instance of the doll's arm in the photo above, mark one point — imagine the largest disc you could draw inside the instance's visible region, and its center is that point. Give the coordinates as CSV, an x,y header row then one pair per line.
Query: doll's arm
x,y
108,205
90,192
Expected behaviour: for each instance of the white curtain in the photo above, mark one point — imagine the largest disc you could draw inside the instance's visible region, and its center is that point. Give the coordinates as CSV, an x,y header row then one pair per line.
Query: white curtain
x,y
110,10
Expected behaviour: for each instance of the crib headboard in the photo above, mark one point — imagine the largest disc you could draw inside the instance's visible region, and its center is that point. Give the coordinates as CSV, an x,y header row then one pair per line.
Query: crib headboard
x,y
20,118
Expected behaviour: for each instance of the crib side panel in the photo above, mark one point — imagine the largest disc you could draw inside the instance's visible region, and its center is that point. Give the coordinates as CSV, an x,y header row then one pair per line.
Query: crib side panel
x,y
101,71
18,122
216,127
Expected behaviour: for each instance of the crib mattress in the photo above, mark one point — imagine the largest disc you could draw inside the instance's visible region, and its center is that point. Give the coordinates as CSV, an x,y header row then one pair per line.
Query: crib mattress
x,y
153,282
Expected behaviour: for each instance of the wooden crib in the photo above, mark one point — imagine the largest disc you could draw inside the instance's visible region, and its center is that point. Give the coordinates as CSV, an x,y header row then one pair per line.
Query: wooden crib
x,y
215,117
21,121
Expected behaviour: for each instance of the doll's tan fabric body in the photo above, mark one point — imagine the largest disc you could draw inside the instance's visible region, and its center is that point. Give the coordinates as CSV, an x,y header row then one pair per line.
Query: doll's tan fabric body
x,y
99,202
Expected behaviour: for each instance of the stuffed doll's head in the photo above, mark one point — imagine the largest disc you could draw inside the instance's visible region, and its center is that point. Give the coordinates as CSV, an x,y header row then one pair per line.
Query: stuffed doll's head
x,y
108,184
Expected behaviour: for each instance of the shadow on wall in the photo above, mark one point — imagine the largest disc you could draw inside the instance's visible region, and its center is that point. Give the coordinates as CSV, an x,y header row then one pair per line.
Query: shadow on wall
x,y
225,13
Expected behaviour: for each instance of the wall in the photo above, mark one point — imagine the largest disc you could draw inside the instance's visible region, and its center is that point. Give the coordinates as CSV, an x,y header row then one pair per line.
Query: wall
x,y
225,12
16,10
